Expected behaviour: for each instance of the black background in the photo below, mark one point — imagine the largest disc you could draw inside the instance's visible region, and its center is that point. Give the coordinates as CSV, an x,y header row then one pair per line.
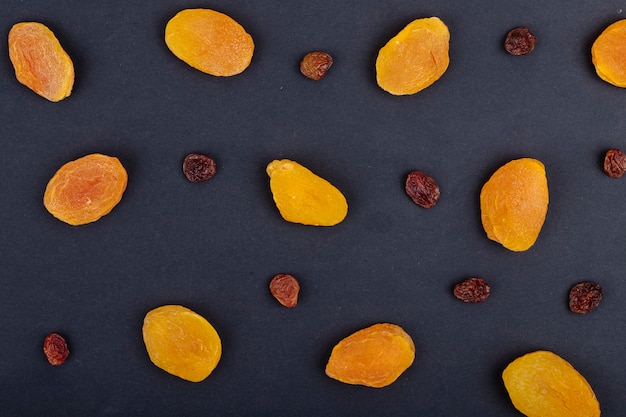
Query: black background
x,y
213,247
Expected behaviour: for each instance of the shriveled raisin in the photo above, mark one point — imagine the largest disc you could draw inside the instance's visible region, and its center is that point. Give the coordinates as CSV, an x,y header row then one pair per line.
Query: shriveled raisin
x,y
585,297
285,289
422,189
472,290
520,41
614,163
198,167
55,348
314,65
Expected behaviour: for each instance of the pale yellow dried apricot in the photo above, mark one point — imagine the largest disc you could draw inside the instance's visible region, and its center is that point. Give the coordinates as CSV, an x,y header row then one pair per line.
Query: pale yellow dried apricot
x,y
303,197
181,342
542,384
415,58
514,203
608,54
209,41
375,356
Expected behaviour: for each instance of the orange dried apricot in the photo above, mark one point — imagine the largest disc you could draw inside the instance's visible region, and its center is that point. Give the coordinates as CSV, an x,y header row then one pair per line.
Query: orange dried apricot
x,y
209,41
40,62
181,342
514,203
415,58
608,54
303,197
542,384
375,356
86,189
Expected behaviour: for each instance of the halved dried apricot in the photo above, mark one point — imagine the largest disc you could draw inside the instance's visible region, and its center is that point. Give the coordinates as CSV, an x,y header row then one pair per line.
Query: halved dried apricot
x,y
608,54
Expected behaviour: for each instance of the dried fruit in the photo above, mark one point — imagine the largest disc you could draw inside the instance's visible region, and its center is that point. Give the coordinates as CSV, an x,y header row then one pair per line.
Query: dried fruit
x,y
585,297
542,384
314,65
209,41
198,167
514,203
181,342
415,58
520,41
285,289
472,290
614,163
40,62
55,349
303,197
608,54
86,189
375,356
422,189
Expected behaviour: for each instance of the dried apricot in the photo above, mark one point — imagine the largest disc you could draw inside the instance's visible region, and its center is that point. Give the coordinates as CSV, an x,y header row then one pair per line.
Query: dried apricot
x,y
375,356
514,203
55,349
181,342
303,197
608,54
209,41
86,189
40,62
542,384
415,58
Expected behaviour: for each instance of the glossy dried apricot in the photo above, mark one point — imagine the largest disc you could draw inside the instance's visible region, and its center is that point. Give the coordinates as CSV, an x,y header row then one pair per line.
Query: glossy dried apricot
x,y
415,58
86,189
181,342
542,384
39,60
209,41
608,54
303,197
375,356
514,203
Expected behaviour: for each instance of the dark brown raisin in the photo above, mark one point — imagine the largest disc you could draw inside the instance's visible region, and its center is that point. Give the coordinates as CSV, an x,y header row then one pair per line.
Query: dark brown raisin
x,y
55,348
422,189
585,297
314,65
198,167
472,290
285,289
520,41
614,163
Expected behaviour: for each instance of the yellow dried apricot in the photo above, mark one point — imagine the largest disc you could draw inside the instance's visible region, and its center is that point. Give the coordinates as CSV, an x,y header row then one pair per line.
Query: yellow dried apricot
x,y
86,189
608,54
375,356
209,41
40,62
542,384
303,197
415,58
514,203
181,342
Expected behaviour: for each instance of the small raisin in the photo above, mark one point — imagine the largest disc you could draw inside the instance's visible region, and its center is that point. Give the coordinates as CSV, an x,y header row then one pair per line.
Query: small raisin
x,y
520,41
285,289
314,65
614,163
198,167
55,348
422,189
472,290
585,297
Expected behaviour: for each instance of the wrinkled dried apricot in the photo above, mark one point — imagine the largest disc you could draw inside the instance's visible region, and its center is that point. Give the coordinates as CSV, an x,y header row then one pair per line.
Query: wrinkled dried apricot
x,y
608,54
514,203
303,197
542,384
209,41
86,189
375,356
40,62
181,342
415,58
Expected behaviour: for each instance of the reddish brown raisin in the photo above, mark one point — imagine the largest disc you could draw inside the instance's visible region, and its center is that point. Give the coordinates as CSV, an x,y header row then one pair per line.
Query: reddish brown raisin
x,y
472,290
198,167
285,289
422,189
314,65
585,297
520,41
55,348
614,163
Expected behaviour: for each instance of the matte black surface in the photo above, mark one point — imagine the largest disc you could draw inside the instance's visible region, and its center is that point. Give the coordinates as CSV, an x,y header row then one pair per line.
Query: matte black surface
x,y
213,247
